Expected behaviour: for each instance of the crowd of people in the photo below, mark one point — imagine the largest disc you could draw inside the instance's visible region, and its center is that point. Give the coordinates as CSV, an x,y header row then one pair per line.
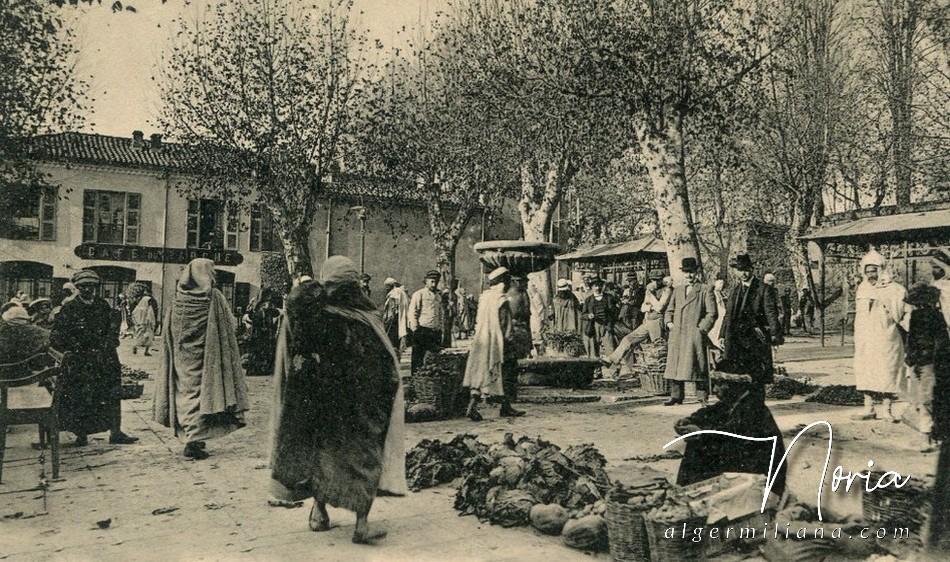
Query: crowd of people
x,y
337,416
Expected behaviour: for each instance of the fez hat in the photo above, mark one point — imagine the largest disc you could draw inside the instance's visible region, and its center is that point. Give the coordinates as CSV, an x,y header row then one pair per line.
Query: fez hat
x,y
433,274
690,265
497,274
85,277
742,262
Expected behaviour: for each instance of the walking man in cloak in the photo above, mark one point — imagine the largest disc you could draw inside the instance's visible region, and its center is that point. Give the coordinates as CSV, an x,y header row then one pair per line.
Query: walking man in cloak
x,y
338,407
878,343
201,392
492,361
566,308
90,388
750,329
426,320
396,313
690,315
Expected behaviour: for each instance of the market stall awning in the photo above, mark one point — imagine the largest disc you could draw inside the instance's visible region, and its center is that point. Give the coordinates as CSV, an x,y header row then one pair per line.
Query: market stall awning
x,y
886,229
649,247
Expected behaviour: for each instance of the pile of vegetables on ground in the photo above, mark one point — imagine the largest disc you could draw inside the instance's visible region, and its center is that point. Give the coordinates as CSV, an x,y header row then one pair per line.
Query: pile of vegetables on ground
x,y
838,395
521,482
133,375
784,388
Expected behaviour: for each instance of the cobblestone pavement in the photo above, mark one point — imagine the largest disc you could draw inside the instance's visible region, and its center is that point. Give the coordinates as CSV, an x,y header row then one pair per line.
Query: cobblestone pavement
x,y
145,502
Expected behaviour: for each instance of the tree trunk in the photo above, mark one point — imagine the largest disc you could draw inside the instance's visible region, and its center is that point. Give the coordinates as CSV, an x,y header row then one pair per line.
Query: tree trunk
x,y
802,211
662,152
296,242
445,260
540,194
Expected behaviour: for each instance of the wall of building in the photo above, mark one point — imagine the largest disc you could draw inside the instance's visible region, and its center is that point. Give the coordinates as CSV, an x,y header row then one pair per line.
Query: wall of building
x,y
397,242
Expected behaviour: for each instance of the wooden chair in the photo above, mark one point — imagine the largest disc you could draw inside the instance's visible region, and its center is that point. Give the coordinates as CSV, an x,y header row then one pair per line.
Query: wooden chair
x,y
40,368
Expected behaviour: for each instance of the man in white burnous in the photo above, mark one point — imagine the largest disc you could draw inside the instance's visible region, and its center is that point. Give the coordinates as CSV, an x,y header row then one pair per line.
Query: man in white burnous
x,y
878,347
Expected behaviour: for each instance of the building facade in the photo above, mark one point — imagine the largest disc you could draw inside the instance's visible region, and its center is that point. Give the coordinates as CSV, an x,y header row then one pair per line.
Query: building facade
x,y
116,209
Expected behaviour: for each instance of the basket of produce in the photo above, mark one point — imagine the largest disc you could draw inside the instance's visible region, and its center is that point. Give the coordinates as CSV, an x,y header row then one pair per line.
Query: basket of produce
x,y
438,383
901,507
626,507
682,545
132,390
651,366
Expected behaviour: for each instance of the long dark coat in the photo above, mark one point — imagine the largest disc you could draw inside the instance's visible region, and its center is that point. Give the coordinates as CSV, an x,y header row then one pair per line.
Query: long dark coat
x,y
333,400
748,329
692,317
90,387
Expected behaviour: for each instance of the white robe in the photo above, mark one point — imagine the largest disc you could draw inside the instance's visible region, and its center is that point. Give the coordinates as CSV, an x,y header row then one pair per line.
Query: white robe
x,y
484,365
878,348
402,300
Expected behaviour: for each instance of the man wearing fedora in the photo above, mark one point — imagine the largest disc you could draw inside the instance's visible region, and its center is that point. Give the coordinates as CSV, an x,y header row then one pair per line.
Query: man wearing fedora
x,y
690,315
426,320
750,329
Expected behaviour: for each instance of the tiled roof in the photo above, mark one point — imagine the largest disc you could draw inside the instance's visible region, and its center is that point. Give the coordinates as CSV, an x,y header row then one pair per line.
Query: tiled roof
x,y
88,148
107,150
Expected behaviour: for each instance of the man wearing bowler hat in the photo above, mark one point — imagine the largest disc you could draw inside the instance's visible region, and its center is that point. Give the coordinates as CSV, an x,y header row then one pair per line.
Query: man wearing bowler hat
x,y
690,315
750,328
426,320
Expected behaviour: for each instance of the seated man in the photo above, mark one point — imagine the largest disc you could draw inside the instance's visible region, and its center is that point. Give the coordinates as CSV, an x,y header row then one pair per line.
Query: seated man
x,y
708,456
656,297
19,338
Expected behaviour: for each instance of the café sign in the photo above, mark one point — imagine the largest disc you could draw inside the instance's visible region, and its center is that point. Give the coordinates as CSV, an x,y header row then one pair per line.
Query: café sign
x,y
121,252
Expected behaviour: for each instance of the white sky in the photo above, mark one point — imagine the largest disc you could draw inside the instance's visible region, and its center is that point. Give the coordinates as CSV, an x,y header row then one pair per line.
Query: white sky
x,y
119,52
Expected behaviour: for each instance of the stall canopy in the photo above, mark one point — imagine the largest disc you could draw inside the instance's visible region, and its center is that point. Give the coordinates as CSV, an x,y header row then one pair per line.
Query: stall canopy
x,y
890,229
910,236
649,247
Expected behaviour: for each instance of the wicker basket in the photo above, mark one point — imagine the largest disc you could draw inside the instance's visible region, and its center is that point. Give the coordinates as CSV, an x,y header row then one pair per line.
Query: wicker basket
x,y
676,548
131,391
902,507
443,389
627,531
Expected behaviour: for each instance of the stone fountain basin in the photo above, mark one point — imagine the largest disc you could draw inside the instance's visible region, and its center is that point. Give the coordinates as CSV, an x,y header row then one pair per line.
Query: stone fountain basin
x,y
559,372
518,256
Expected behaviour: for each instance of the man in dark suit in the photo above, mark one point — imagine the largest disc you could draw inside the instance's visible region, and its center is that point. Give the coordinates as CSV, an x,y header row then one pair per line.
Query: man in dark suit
x,y
750,329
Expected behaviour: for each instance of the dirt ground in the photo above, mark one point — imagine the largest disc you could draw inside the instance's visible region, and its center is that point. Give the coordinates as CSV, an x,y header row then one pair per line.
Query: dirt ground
x,y
145,502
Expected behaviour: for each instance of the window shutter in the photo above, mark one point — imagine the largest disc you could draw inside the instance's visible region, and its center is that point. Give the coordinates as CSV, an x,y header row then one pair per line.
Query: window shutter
x,y
232,225
48,215
89,216
192,225
255,245
133,210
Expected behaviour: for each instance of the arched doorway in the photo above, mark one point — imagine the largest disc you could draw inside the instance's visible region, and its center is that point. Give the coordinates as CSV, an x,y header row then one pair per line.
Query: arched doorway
x,y
113,281
35,278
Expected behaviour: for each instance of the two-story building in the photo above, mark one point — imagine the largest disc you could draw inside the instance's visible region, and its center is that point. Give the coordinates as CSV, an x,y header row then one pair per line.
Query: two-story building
x,y
116,209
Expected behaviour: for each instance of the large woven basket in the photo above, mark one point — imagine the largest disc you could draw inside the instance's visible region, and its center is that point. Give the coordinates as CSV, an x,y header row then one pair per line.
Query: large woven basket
x,y
674,549
900,507
442,390
627,531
